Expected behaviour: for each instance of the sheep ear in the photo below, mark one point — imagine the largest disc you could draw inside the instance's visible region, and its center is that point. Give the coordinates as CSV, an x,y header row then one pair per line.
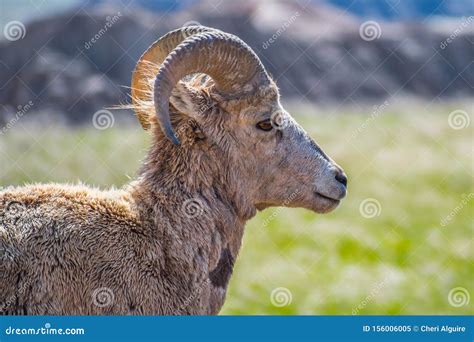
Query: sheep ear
x,y
185,99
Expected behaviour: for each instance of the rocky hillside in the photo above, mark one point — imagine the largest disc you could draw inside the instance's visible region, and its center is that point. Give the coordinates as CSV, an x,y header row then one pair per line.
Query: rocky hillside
x,y
74,64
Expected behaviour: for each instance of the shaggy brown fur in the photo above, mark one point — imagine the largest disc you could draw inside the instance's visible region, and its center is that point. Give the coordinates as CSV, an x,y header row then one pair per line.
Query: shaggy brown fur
x,y
166,243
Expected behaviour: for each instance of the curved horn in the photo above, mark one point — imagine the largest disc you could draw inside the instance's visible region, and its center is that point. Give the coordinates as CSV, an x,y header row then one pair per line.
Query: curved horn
x,y
149,64
230,62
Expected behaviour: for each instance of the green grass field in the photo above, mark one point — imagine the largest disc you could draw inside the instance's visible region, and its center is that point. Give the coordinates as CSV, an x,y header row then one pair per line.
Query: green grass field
x,y
398,244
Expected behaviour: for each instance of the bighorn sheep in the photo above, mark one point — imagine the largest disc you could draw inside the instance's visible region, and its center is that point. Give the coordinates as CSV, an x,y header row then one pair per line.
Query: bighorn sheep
x,y
223,147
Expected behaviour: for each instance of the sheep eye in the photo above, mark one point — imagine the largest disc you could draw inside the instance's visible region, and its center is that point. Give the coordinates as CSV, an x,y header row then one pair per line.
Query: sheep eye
x,y
265,125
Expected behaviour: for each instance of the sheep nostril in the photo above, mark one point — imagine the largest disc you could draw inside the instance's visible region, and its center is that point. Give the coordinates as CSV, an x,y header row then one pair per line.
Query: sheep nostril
x,y
341,178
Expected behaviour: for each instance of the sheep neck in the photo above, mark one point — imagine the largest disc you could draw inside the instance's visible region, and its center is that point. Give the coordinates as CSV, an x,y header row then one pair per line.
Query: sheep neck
x,y
210,230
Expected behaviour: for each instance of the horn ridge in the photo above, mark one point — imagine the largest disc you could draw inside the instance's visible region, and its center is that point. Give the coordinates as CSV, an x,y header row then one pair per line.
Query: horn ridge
x,y
230,62
149,64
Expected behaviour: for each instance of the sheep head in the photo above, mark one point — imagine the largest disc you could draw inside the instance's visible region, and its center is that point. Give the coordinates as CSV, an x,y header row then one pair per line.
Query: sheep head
x,y
210,83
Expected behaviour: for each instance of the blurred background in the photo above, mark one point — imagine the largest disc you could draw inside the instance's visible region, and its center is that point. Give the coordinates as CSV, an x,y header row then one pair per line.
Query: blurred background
x,y
386,87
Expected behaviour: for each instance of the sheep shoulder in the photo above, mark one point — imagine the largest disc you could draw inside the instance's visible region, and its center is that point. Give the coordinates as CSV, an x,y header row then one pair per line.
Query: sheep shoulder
x,y
58,243
66,208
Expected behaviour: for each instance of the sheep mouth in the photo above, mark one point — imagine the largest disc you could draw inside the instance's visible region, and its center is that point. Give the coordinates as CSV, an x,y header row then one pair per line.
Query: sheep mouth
x,y
330,199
